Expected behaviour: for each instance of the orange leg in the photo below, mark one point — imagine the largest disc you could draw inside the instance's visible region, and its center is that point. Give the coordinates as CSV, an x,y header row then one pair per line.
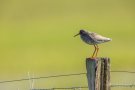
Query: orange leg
x,y
94,51
97,48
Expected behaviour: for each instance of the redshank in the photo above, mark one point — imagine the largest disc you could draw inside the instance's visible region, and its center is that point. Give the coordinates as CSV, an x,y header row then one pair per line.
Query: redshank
x,y
92,38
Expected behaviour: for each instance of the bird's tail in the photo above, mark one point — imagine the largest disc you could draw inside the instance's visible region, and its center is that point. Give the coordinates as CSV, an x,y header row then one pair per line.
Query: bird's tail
x,y
108,39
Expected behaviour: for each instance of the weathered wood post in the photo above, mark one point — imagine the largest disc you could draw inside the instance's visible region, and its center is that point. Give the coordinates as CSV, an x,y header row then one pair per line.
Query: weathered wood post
x,y
98,73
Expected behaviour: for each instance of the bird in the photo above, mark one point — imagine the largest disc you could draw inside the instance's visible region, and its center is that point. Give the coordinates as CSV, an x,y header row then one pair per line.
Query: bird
x,y
92,38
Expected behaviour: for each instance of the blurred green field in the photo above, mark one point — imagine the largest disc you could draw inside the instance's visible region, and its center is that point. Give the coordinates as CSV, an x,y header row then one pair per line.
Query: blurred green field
x,y
37,37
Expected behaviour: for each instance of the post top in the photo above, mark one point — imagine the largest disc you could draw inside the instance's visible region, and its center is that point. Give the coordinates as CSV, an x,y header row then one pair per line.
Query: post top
x,y
98,58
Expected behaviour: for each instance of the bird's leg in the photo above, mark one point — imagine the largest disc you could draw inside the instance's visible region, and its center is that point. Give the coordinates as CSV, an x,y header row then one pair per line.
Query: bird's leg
x,y
97,48
94,51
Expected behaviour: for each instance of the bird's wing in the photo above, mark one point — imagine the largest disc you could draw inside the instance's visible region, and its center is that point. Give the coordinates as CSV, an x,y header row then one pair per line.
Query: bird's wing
x,y
98,37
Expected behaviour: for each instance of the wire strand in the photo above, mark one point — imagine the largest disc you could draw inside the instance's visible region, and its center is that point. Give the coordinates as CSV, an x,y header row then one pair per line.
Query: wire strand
x,y
64,75
42,77
123,71
83,87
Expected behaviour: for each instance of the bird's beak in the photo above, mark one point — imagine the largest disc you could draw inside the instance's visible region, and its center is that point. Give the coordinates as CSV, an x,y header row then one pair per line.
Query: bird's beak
x,y
76,34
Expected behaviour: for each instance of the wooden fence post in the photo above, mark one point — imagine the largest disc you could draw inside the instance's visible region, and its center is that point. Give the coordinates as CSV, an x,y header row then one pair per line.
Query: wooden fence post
x,y
98,73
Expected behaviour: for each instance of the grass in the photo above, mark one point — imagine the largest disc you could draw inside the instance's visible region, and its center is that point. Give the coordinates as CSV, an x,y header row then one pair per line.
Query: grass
x,y
38,36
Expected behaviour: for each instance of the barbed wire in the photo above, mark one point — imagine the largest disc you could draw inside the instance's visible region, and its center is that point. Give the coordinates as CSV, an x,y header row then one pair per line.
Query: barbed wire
x,y
74,88
123,85
123,71
54,76
24,79
83,87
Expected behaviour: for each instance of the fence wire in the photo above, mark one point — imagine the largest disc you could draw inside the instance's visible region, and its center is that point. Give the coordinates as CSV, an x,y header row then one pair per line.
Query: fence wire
x,y
74,88
24,79
85,87
54,76
123,71
66,75
124,85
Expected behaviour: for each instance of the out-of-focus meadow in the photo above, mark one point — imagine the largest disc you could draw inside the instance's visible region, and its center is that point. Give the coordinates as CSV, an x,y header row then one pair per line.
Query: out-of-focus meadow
x,y
36,36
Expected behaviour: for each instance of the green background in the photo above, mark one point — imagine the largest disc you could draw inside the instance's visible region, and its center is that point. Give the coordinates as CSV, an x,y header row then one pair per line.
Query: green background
x,y
36,36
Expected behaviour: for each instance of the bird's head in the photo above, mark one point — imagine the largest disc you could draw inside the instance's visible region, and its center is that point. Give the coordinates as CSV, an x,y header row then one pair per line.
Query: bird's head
x,y
80,32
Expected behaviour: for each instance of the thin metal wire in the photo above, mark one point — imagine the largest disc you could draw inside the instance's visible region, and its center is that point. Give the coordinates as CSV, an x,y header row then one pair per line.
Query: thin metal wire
x,y
64,88
123,71
64,75
123,85
24,79
118,85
